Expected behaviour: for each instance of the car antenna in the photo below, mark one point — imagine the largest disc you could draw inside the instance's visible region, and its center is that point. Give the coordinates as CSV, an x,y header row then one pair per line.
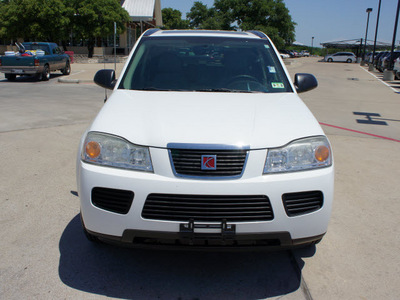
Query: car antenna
x,y
104,62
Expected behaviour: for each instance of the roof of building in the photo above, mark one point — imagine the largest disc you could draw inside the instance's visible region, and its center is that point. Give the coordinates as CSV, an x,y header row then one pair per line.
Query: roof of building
x,y
143,10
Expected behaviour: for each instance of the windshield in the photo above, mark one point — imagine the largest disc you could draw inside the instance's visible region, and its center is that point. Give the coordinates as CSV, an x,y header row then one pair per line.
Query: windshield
x,y
215,64
43,47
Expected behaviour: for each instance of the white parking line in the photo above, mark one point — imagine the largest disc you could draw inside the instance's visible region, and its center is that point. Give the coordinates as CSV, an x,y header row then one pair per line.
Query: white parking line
x,y
396,91
77,73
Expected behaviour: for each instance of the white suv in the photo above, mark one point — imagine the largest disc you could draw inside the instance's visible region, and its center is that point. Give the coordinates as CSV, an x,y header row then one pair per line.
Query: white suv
x,y
204,142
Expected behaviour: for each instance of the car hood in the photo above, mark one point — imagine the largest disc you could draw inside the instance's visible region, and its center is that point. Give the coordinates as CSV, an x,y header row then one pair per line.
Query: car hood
x,y
250,120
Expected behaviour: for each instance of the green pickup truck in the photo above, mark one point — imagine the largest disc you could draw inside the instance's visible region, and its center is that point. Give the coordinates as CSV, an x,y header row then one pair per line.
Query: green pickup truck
x,y
35,59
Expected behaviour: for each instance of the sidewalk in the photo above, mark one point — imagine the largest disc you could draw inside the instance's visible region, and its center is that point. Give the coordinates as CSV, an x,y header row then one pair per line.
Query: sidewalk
x,y
84,72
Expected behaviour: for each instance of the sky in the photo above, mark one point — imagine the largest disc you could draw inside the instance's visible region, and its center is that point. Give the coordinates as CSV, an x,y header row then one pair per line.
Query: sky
x,y
326,21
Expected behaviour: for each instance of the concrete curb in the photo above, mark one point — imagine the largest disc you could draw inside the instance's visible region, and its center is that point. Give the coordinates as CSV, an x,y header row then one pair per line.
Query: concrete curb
x,y
76,81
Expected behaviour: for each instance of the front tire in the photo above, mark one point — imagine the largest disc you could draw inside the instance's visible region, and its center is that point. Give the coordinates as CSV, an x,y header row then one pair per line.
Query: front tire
x,y
330,60
349,60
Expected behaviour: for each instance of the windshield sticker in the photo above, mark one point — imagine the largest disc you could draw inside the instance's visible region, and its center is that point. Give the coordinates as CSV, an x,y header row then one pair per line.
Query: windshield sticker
x,y
278,85
271,69
266,46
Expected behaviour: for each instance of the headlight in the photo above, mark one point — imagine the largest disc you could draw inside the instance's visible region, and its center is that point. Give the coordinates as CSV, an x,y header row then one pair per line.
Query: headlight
x,y
108,150
300,155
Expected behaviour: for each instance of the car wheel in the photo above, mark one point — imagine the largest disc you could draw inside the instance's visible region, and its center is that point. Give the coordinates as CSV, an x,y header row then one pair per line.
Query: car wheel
x,y
92,238
330,60
11,77
45,76
349,60
67,69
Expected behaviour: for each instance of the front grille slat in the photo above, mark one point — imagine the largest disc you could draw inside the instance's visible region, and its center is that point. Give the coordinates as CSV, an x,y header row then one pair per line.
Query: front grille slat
x,y
187,162
302,203
204,208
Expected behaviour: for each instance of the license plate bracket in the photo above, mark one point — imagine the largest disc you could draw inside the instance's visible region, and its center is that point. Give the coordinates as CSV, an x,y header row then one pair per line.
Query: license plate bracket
x,y
201,231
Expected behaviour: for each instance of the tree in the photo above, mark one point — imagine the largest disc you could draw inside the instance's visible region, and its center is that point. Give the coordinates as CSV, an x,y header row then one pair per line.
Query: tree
x,y
44,20
95,18
269,16
201,17
172,19
54,20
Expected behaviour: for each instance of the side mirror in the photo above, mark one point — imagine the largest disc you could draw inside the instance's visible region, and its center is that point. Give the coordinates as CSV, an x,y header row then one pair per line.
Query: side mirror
x,y
105,78
305,82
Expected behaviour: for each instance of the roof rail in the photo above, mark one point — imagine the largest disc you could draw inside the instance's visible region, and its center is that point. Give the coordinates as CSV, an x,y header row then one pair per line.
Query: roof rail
x,y
150,31
258,33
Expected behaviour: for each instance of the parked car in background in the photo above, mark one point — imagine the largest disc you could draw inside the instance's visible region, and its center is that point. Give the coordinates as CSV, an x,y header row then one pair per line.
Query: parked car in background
x,y
368,57
288,52
35,59
304,53
379,60
386,60
348,57
284,55
396,68
377,56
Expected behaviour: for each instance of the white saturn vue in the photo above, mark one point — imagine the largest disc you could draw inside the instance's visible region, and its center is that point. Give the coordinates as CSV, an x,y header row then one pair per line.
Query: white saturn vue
x,y
204,142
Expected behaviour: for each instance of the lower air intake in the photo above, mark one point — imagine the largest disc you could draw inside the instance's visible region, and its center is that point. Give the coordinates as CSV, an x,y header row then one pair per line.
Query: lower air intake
x,y
302,203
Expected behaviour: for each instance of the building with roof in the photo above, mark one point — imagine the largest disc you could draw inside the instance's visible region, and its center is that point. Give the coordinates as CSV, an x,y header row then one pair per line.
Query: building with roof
x,y
144,14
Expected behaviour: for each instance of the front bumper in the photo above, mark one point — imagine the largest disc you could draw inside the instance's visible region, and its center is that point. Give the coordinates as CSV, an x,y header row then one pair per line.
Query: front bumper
x,y
131,227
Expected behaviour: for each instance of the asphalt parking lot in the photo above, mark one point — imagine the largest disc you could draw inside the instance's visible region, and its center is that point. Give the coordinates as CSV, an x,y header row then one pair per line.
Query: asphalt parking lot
x,y
44,254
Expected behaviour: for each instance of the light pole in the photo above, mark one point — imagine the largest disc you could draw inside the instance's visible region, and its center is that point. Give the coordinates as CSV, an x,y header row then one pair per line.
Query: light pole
x,y
376,33
388,74
391,62
312,45
366,31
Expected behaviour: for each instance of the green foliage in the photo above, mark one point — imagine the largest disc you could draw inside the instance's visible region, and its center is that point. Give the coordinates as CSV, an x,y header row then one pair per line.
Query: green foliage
x,y
202,17
54,20
269,16
96,18
40,19
172,19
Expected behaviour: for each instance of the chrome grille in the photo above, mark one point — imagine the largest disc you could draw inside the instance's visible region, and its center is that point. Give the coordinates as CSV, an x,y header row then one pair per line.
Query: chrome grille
x,y
187,162
208,208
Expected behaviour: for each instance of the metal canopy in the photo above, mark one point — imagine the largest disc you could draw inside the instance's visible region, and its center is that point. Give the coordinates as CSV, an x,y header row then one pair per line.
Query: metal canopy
x,y
355,44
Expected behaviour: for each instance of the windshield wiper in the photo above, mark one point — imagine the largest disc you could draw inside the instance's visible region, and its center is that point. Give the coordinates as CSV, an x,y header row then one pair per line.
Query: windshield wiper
x,y
223,90
215,90
150,88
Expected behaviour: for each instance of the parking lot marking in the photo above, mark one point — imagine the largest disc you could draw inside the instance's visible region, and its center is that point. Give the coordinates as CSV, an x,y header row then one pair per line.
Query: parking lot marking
x,y
369,119
393,89
360,132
